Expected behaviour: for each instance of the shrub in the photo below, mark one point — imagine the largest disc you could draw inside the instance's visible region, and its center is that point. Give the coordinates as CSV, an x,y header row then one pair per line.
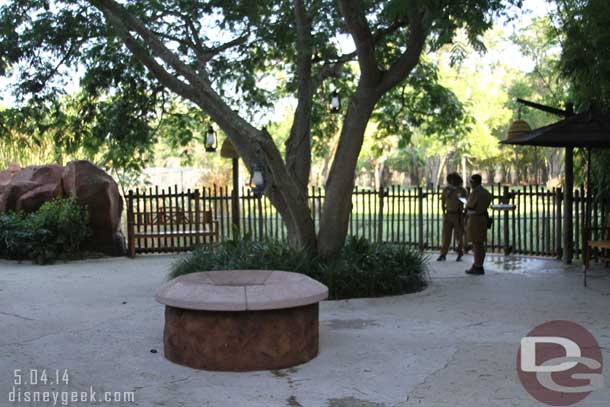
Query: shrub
x,y
55,231
362,269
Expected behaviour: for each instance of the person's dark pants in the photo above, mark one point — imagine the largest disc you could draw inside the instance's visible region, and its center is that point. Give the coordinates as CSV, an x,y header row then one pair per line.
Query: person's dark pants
x,y
478,250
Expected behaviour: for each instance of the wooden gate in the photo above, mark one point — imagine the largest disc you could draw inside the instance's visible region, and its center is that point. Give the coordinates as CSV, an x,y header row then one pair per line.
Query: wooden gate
x,y
161,222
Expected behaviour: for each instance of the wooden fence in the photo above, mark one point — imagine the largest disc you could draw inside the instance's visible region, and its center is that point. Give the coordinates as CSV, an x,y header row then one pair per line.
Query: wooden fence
x,y
168,221
413,216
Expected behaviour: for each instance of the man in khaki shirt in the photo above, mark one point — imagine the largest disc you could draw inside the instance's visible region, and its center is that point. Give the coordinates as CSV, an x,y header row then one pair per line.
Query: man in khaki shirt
x,y
453,215
476,227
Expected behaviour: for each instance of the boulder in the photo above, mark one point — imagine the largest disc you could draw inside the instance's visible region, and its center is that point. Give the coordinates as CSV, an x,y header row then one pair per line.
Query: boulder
x,y
96,190
26,189
5,179
7,175
29,188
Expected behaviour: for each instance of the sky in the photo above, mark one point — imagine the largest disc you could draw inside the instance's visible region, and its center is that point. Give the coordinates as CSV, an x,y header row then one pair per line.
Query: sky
x,y
510,52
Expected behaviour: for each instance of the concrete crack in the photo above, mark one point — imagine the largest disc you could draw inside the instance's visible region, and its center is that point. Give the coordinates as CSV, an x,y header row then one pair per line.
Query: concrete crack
x,y
434,373
10,314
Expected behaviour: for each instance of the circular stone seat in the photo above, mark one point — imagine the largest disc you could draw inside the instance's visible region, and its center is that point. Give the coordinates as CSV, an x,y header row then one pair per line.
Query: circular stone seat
x,y
240,320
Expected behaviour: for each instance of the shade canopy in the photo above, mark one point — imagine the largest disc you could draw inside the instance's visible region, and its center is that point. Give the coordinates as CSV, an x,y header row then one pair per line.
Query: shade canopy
x,y
587,130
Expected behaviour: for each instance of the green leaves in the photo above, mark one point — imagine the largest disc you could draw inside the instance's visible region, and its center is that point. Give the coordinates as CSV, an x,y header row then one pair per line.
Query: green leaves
x,y
421,103
55,231
362,269
583,28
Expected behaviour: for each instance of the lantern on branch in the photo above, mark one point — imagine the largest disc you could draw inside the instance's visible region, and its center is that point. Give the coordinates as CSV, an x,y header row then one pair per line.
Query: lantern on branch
x,y
210,140
335,102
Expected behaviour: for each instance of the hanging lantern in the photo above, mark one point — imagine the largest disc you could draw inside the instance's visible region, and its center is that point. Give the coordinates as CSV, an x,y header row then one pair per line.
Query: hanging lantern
x,y
518,128
210,140
335,102
257,179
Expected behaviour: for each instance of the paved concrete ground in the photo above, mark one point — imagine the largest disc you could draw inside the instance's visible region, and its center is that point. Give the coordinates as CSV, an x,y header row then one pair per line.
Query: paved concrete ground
x,y
453,344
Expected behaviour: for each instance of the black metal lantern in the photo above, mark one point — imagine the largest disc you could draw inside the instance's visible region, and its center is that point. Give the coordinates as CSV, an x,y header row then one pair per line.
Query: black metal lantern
x,y
257,178
335,102
210,140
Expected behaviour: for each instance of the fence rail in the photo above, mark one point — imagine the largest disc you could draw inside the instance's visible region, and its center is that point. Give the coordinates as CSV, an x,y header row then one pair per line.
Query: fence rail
x,y
413,216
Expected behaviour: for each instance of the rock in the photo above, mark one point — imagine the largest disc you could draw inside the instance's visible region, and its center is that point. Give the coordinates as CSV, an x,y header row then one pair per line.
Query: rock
x,y
30,187
96,190
7,175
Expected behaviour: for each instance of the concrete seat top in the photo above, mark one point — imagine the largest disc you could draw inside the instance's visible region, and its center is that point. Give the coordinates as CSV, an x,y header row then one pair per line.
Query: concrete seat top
x,y
241,290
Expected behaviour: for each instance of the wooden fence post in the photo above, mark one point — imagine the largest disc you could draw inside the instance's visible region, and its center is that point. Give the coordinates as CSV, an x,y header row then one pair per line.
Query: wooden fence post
x,y
198,224
558,223
507,245
420,220
261,220
381,194
130,222
235,200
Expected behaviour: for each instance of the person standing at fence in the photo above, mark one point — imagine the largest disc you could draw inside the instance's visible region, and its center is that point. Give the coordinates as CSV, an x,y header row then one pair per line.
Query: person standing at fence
x,y
453,215
478,219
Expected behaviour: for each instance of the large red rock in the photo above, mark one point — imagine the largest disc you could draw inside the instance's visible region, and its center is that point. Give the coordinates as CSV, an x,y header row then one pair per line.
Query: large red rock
x,y
26,189
97,191
7,175
29,188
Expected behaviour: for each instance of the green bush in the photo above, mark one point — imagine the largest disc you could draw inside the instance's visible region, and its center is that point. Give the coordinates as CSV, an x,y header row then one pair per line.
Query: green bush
x,y
55,231
362,269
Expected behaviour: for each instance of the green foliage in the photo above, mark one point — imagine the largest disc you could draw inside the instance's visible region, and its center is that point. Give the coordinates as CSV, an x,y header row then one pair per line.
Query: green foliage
x,y
583,29
55,231
424,104
362,269
44,43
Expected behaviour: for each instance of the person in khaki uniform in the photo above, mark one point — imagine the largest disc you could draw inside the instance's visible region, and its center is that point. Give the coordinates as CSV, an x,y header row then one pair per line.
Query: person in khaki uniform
x,y
476,226
453,215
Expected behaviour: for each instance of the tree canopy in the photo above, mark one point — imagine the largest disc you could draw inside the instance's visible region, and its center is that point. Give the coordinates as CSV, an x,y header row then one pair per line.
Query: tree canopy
x,y
233,60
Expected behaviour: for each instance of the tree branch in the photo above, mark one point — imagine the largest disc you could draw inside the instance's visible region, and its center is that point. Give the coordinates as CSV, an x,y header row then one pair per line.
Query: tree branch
x,y
112,8
168,80
332,68
212,52
418,32
360,31
298,145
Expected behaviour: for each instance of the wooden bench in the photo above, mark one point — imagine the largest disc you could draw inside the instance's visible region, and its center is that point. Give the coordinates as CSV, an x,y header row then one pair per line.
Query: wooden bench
x,y
179,226
602,244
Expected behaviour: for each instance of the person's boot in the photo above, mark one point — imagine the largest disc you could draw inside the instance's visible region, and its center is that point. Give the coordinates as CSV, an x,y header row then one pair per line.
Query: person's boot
x,y
476,270
442,257
459,257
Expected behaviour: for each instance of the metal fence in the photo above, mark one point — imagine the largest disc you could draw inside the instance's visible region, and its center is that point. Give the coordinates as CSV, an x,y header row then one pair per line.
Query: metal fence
x,y
413,216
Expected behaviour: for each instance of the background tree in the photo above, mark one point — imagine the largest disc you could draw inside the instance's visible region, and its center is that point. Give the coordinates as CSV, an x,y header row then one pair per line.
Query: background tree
x,y
582,28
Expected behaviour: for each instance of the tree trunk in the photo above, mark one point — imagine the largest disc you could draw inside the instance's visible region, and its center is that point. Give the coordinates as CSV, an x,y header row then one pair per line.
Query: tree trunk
x,y
464,169
414,170
340,184
439,172
287,181
380,172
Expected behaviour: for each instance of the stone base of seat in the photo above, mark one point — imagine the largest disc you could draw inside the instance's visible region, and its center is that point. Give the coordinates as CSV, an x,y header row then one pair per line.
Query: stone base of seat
x,y
241,340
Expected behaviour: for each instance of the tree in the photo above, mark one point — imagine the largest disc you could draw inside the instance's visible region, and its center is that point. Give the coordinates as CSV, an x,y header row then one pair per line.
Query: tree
x,y
582,28
201,49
